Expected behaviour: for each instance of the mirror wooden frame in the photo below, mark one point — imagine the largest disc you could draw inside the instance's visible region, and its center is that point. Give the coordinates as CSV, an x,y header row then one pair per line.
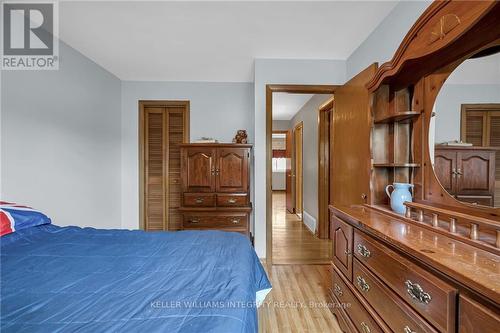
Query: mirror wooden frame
x,y
446,34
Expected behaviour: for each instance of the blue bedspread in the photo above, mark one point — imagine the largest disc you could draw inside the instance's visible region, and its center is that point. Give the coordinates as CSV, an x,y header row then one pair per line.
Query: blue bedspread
x,y
70,279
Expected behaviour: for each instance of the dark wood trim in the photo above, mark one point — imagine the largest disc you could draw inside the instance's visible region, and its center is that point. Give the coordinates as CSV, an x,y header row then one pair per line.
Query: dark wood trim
x,y
325,113
142,135
270,89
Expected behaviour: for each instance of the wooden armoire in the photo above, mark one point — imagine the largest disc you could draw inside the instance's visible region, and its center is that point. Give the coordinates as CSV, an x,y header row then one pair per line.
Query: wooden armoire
x,y
467,173
163,126
216,187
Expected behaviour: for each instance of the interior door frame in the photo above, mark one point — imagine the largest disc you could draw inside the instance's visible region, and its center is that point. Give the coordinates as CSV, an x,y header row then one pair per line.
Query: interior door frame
x,y
288,139
299,176
270,89
142,151
325,151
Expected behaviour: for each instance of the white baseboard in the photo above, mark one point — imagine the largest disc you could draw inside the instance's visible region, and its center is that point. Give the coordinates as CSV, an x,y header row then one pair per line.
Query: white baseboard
x,y
310,222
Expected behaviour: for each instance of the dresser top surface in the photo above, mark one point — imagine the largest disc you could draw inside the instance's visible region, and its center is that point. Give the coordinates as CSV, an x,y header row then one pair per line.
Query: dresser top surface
x,y
472,267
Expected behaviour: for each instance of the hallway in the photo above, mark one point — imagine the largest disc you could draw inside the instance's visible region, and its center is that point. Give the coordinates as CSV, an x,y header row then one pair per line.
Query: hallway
x,y
293,242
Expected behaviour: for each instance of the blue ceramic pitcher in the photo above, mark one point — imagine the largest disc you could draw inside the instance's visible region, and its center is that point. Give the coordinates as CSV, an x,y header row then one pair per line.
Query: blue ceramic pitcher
x,y
400,194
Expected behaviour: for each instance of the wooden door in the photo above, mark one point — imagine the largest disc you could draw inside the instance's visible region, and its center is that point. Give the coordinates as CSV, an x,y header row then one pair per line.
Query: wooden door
x,y
475,175
290,202
342,246
351,140
325,117
494,141
445,168
155,142
176,135
298,157
199,168
232,169
474,125
163,125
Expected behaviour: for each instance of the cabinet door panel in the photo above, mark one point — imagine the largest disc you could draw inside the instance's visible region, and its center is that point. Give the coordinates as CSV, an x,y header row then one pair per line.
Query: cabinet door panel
x,y
444,166
342,246
475,174
198,169
232,170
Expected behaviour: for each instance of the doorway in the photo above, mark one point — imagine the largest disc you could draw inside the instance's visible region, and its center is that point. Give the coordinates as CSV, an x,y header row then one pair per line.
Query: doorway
x,y
163,125
298,142
293,223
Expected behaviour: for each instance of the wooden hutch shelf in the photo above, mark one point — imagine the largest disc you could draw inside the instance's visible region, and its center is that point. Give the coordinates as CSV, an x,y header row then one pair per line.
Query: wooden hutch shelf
x,y
396,165
399,117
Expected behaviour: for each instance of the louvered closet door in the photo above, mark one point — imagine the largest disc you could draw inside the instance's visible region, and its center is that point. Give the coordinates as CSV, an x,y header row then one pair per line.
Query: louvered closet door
x,y
176,136
494,141
155,141
475,128
165,127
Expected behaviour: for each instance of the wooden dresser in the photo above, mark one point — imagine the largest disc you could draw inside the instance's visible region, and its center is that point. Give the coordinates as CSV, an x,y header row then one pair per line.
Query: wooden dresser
x,y
216,187
437,267
467,173
390,275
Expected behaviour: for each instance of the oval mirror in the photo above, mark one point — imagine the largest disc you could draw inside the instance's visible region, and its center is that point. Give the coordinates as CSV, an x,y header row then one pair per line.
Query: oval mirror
x,y
464,133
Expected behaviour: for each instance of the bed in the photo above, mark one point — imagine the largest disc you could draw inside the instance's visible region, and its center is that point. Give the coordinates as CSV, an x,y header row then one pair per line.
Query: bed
x,y
66,279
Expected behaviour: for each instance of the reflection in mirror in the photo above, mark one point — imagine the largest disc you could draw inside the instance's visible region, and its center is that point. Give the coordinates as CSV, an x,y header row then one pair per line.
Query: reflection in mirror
x,y
464,132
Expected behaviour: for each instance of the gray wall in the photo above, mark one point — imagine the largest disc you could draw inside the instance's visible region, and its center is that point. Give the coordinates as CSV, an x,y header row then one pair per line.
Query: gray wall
x,y
385,39
308,114
281,125
60,141
217,110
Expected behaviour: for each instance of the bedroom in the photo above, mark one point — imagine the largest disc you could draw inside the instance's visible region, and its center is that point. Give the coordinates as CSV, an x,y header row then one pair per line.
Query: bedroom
x,y
71,148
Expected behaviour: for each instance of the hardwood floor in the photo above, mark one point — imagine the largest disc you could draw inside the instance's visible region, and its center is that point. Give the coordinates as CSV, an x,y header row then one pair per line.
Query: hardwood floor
x,y
293,242
298,301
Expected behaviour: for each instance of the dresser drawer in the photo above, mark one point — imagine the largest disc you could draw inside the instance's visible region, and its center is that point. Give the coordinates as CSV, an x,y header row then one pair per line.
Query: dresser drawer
x,y
358,315
428,295
345,324
476,318
199,200
215,221
393,310
232,200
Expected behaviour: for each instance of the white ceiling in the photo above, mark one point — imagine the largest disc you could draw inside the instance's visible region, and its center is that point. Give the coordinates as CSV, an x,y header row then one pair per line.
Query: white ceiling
x,y
213,41
286,105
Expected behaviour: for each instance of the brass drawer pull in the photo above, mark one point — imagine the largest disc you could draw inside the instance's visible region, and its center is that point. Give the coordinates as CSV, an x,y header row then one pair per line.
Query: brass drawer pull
x,y
417,293
363,250
365,327
235,221
199,200
194,221
363,284
407,329
231,201
338,291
